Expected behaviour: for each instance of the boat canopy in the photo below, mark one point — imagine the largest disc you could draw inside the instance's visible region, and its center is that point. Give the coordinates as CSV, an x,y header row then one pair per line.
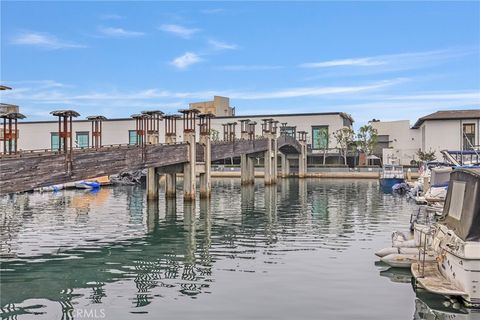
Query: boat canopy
x,y
440,176
461,212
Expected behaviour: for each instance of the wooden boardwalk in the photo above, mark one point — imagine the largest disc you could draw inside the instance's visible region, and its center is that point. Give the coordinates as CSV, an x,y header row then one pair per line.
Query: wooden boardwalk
x,y
26,171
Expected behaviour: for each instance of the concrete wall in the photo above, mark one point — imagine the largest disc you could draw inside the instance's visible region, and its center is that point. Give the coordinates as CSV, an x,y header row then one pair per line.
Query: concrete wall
x,y
220,106
446,134
403,142
37,135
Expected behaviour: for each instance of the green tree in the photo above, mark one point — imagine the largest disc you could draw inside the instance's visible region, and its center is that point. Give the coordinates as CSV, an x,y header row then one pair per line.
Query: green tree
x,y
344,139
426,156
367,138
214,135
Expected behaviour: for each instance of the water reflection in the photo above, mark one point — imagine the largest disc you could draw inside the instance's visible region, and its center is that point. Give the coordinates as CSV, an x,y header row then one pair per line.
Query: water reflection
x,y
77,249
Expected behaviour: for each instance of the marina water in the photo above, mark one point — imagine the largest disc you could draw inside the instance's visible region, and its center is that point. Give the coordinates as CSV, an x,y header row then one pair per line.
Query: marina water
x,y
302,249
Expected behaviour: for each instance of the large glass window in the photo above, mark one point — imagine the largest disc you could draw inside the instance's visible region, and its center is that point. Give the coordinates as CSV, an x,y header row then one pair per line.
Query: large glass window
x,y
319,137
82,139
289,131
132,137
55,141
468,136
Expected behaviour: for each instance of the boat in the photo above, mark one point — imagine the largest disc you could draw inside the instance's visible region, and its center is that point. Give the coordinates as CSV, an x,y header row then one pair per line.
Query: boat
x,y
87,185
390,176
455,241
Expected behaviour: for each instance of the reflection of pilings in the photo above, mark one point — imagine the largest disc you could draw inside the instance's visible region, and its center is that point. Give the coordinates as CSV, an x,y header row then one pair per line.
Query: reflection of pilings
x,y
170,209
271,211
189,227
285,189
247,194
206,217
302,194
152,215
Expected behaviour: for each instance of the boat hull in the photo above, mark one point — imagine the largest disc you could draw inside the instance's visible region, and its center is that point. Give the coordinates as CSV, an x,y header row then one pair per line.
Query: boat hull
x,y
387,183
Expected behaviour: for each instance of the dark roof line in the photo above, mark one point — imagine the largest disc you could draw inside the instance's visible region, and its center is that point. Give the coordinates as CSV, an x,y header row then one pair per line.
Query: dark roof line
x,y
448,115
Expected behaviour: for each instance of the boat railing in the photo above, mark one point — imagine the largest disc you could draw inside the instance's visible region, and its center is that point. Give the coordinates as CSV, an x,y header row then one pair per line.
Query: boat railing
x,y
422,250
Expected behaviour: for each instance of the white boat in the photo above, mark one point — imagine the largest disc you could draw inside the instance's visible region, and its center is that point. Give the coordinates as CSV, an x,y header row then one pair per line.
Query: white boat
x,y
455,242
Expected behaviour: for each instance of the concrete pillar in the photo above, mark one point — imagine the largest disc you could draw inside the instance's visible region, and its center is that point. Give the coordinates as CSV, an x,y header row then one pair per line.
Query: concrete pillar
x,y
274,159
268,166
170,185
285,163
170,178
152,184
247,168
205,178
189,176
302,161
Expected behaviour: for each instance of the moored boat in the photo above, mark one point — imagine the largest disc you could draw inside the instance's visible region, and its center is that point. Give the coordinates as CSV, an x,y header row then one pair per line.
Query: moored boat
x,y
456,242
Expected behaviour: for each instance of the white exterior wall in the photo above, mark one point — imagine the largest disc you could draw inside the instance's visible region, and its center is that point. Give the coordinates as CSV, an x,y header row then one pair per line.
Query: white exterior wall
x,y
404,142
37,135
446,134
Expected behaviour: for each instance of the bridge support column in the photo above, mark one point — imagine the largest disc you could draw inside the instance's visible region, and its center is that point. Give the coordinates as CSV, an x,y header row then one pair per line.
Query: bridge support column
x,y
285,163
274,159
189,175
152,184
170,185
205,178
247,168
302,161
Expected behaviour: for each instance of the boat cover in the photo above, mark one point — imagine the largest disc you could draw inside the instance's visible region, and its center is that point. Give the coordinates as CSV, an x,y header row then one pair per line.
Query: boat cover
x,y
461,212
440,176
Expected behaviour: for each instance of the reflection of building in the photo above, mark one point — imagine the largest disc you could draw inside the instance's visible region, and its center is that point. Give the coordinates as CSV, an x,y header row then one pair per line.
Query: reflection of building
x,y
220,106
441,130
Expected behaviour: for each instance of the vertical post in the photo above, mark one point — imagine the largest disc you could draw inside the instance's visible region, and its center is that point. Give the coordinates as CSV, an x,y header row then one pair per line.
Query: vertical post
x,y
152,184
65,134
96,130
205,177
171,138
189,174
302,157
285,164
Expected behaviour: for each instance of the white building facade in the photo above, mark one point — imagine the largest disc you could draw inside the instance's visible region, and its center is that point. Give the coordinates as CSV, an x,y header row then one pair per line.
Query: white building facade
x,y
35,135
441,130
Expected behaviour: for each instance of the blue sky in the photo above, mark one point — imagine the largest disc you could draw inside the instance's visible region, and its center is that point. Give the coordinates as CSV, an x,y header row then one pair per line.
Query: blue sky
x,y
384,60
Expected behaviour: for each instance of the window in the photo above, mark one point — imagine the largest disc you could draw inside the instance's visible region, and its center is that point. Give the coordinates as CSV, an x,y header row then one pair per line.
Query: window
x,y
82,139
456,199
132,137
289,131
468,136
54,141
320,137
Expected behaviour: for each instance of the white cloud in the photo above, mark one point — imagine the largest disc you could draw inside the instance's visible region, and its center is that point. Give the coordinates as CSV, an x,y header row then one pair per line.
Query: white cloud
x,y
394,61
220,45
185,60
178,30
43,40
364,62
110,16
212,11
242,67
119,32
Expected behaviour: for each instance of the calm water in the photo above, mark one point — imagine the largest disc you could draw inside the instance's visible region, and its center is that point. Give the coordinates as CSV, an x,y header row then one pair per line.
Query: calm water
x,y
300,250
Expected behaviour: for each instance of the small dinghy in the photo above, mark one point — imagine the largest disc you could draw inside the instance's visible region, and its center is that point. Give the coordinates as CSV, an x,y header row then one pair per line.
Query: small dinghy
x,y
397,260
392,250
399,240
87,185
54,188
